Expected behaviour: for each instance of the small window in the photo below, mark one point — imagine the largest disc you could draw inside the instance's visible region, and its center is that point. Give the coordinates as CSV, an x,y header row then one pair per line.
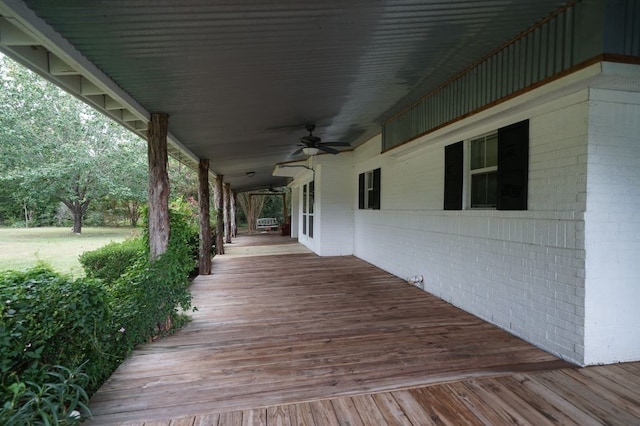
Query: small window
x,y
369,190
483,171
308,200
492,170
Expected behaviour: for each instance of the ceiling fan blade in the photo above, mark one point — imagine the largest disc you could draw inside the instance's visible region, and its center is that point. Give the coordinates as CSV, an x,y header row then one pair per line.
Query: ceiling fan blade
x,y
335,144
298,151
327,149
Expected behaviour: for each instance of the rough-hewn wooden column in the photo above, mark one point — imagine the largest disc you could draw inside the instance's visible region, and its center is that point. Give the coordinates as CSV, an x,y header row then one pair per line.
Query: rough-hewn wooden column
x,y
204,253
219,215
284,208
234,225
227,213
158,190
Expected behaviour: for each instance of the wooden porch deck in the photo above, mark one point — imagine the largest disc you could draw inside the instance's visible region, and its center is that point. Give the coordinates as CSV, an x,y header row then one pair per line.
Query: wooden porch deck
x,y
292,338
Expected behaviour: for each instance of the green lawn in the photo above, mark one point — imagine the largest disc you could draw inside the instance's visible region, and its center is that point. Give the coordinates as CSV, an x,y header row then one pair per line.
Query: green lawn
x,y
22,248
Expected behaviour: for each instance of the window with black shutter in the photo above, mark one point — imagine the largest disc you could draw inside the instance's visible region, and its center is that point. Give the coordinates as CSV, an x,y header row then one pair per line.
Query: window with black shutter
x,y
513,166
497,170
453,176
369,190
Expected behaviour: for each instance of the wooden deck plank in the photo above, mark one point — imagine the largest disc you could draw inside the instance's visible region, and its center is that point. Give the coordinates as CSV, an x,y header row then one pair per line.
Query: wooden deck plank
x,y
184,421
323,412
554,409
207,420
254,417
412,408
443,407
335,335
346,412
389,408
586,398
368,410
304,414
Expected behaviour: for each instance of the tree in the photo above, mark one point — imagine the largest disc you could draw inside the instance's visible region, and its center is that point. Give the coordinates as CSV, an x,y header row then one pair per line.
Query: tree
x,y
252,207
57,147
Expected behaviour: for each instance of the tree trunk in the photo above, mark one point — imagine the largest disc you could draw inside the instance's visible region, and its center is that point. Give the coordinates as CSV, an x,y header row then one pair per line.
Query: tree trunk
x,y
219,216
227,213
158,190
204,252
77,222
133,209
77,209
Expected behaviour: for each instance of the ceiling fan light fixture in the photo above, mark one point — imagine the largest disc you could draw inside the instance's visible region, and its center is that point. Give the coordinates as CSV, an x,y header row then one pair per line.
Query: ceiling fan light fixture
x,y
309,150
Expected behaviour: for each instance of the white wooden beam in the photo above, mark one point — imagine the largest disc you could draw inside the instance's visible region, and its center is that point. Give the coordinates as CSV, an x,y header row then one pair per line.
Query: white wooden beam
x,y
58,67
10,35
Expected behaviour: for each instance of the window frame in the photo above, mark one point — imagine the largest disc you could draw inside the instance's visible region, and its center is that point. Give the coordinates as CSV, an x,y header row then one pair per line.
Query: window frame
x,y
469,173
369,183
308,208
512,178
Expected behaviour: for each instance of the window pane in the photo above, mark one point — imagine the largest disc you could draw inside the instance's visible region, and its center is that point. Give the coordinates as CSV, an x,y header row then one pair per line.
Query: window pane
x,y
491,150
311,196
304,224
304,199
369,180
310,226
477,153
370,198
483,190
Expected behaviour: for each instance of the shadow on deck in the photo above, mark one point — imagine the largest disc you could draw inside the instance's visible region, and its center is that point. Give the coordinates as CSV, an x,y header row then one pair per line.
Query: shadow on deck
x,y
282,336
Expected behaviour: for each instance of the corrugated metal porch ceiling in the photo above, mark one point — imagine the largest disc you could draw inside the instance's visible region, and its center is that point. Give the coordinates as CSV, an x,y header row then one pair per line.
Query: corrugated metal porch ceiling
x,y
241,78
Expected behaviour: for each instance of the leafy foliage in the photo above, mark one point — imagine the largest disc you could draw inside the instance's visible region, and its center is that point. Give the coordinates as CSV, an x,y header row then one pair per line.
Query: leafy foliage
x,y
47,320
61,338
109,262
55,148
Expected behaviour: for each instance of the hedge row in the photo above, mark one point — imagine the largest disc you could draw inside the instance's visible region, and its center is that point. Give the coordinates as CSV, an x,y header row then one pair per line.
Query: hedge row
x,y
61,338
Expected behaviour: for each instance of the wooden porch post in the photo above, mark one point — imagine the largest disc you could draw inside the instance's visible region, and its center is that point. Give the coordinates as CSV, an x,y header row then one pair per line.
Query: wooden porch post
x,y
227,212
204,253
219,215
284,207
234,226
158,189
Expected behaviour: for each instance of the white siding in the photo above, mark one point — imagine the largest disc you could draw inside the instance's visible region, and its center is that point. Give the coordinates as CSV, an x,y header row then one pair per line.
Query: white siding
x,y
562,274
613,228
335,204
523,271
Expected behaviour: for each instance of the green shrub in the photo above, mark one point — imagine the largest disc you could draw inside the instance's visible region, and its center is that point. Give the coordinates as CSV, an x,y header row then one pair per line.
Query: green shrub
x,y
47,320
109,262
61,338
60,400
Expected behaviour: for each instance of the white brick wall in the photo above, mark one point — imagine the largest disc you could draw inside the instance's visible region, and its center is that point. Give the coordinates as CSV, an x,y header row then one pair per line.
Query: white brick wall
x,y
333,215
563,274
335,207
523,271
612,231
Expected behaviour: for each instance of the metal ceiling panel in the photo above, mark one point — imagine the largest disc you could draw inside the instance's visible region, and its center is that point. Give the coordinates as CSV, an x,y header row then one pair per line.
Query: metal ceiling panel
x,y
240,79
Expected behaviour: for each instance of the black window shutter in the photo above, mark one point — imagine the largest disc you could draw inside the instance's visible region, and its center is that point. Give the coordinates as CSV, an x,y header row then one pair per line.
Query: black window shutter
x,y
361,191
375,204
513,166
453,176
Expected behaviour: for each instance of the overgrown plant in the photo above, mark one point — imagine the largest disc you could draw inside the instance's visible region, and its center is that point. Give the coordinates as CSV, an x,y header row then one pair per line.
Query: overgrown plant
x,y
60,400
61,338
111,261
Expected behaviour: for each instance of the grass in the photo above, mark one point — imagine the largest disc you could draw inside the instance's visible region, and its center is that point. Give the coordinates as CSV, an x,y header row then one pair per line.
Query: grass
x,y
22,248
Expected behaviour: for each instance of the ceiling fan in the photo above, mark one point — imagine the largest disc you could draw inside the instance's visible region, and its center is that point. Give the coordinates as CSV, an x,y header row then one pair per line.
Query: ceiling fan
x,y
310,144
